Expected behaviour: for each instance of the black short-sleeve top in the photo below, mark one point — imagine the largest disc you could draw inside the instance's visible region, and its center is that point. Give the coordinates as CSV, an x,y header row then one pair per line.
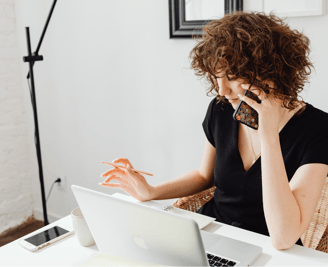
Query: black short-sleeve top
x,y
238,195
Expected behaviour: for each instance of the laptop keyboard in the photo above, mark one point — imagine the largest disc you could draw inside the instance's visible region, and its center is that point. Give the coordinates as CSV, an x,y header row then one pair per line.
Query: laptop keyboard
x,y
219,261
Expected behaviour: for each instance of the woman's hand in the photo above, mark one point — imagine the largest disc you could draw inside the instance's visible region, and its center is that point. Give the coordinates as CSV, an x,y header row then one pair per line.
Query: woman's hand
x,y
131,182
270,111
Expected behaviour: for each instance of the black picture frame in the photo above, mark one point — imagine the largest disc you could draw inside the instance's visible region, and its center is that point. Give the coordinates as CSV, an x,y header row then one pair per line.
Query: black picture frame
x,y
181,28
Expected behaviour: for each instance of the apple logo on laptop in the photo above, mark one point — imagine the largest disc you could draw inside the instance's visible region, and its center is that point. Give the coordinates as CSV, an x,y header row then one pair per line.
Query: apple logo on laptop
x,y
139,242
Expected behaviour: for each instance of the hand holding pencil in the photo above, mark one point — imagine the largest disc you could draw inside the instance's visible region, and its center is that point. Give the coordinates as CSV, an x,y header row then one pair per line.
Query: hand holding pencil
x,y
124,167
129,180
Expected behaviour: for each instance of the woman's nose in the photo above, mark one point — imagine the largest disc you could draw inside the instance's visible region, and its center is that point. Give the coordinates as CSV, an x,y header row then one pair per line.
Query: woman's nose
x,y
223,86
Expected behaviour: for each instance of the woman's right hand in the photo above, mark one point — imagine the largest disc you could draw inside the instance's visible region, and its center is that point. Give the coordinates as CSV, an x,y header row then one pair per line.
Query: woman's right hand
x,y
130,181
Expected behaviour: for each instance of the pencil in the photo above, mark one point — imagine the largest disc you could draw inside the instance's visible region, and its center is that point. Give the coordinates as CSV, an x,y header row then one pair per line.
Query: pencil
x,y
123,167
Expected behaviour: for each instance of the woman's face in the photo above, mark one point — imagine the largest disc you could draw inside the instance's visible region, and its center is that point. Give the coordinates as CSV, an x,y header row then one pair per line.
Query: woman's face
x,y
230,89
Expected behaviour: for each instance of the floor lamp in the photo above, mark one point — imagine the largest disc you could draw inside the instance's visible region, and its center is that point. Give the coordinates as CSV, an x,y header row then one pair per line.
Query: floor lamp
x,y
31,59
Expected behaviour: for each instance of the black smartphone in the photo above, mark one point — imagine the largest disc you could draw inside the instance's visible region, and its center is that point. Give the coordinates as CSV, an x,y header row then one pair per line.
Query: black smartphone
x,y
246,114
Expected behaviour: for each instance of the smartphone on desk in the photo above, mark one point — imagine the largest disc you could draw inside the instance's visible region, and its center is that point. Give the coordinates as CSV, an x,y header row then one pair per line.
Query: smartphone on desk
x,y
246,114
45,238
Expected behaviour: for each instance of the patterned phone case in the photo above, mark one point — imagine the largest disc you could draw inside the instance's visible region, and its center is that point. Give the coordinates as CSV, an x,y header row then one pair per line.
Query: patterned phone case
x,y
246,114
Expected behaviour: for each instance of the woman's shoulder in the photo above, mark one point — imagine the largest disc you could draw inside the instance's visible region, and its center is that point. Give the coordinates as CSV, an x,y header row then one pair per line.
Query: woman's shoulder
x,y
313,118
314,113
311,133
218,116
219,106
313,108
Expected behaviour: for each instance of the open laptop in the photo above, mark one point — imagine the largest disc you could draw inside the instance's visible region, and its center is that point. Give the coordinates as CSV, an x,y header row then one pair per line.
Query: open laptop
x,y
148,234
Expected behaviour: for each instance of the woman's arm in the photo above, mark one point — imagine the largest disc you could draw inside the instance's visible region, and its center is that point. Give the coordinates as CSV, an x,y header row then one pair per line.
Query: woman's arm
x,y
191,182
288,207
187,184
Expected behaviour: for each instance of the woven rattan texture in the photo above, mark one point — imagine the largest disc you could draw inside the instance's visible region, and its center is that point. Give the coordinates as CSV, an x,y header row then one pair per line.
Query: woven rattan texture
x,y
323,244
315,237
195,202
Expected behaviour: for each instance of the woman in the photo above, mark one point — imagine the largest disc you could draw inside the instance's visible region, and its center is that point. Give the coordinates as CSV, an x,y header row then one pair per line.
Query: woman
x,y
268,180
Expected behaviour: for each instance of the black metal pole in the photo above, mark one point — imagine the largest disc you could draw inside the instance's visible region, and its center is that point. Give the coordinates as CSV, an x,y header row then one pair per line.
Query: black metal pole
x,y
44,31
31,59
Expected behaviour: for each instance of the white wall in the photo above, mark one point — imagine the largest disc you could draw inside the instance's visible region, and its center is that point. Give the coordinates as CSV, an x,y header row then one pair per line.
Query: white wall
x,y
16,199
316,28
112,84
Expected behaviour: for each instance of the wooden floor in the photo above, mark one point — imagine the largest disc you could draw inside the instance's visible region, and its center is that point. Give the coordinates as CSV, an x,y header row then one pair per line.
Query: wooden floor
x,y
30,225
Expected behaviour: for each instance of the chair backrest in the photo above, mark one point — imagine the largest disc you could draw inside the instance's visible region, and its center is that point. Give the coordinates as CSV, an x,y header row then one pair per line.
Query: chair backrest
x,y
319,223
315,237
196,201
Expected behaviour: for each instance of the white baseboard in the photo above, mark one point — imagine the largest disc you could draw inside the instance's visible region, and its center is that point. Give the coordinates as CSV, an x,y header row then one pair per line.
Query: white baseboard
x,y
38,214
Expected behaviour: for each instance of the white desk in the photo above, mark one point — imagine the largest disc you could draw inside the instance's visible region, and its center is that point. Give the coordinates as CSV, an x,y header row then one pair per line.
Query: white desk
x,y
68,251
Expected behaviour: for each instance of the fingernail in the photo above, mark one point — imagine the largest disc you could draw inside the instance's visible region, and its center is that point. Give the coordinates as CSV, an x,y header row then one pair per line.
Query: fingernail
x,y
100,183
243,85
128,166
240,96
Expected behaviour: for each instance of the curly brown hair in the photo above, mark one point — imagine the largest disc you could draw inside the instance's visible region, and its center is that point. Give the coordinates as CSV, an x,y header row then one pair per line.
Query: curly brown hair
x,y
256,48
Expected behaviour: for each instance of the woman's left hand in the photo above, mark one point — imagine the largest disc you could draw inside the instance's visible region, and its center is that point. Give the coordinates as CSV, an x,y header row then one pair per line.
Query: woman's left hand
x,y
270,111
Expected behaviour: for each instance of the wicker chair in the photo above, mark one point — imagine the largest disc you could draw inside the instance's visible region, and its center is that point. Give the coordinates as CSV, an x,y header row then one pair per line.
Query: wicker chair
x,y
315,237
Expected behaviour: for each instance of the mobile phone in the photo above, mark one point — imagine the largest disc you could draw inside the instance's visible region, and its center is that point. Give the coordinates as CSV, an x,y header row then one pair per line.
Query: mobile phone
x,y
246,114
45,238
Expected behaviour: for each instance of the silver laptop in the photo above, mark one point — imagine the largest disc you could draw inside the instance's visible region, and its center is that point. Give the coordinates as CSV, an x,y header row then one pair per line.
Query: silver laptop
x,y
148,234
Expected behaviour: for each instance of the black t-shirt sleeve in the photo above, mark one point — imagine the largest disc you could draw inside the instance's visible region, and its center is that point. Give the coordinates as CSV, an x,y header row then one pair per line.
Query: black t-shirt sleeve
x,y
208,122
317,149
